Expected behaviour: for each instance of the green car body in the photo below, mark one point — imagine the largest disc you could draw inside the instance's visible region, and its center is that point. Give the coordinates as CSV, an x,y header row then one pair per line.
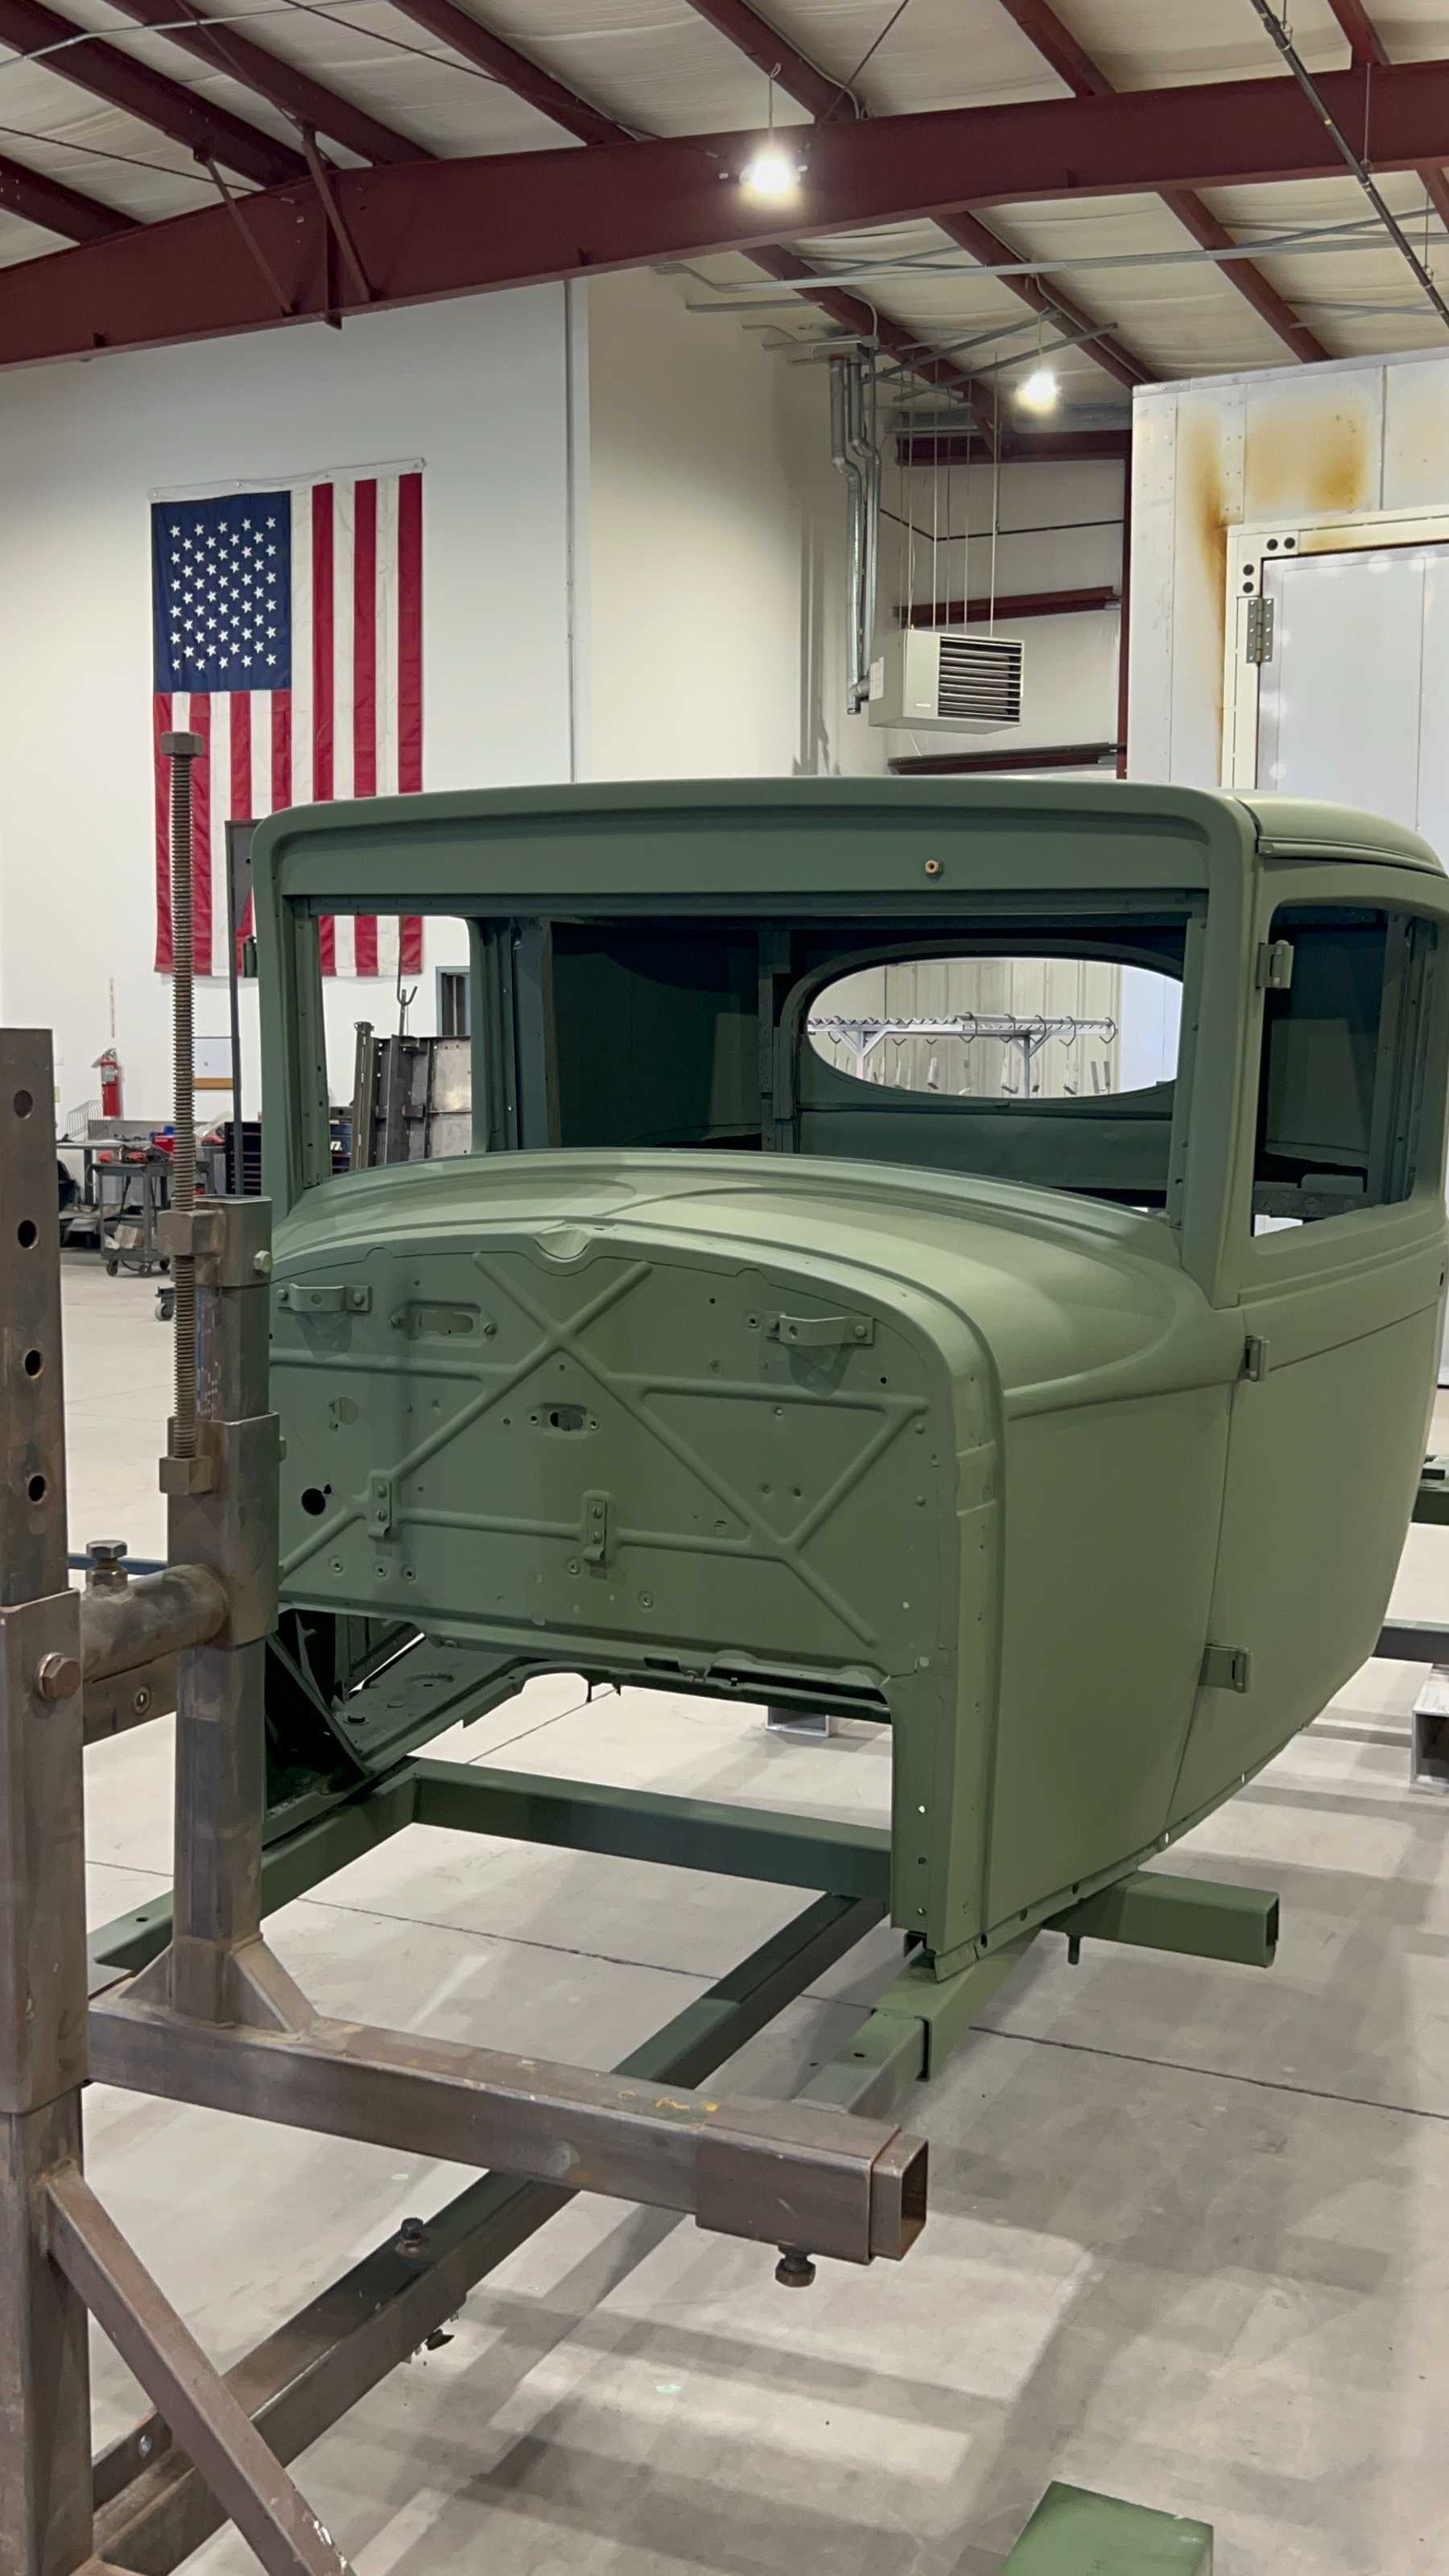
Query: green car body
x,y
712,1369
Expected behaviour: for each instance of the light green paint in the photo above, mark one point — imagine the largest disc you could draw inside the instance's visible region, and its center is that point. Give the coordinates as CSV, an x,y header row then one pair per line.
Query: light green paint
x,y
1025,1477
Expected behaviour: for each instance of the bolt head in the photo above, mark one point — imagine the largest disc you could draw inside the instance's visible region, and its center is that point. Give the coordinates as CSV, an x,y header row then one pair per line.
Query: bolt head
x,y
262,1264
182,746
105,1569
57,1677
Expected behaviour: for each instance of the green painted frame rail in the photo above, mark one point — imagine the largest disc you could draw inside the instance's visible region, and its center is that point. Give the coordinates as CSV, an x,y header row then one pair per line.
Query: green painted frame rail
x,y
1152,1909
151,2500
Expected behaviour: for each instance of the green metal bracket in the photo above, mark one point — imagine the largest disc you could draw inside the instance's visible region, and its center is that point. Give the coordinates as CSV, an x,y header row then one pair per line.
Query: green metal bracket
x,y
1431,1503
1200,1917
919,2022
1076,2533
639,1824
922,2018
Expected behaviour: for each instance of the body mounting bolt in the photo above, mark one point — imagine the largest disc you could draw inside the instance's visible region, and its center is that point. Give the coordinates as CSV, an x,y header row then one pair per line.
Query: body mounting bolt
x,y
57,1677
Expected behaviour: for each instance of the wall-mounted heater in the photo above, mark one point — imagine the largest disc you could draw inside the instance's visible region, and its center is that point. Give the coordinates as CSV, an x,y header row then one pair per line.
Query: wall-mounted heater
x,y
946,678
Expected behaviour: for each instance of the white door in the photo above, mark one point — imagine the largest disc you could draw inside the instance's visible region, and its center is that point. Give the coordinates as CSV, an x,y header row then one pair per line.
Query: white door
x,y
1354,704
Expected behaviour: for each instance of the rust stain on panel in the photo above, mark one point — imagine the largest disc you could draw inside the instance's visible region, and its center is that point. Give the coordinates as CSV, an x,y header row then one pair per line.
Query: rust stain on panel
x,y
1208,514
1303,459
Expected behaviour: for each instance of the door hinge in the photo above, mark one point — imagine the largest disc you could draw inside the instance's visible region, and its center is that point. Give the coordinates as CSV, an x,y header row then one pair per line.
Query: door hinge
x,y
1226,1668
1275,966
1255,1358
1258,641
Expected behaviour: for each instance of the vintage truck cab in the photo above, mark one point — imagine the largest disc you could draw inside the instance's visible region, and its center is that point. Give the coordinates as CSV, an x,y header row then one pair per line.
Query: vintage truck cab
x,y
1072,1427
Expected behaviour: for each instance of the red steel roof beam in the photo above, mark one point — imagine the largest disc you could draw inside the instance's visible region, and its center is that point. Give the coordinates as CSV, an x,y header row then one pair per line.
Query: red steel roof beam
x,y
754,37
55,207
430,229
227,50
1011,604
984,244
514,71
1085,79
212,133
1367,46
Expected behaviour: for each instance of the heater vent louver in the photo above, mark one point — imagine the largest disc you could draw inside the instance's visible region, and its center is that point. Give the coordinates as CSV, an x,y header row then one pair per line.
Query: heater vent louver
x,y
947,677
979,680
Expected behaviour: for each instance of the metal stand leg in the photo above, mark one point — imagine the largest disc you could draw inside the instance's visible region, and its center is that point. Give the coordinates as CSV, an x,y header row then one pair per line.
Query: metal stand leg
x,y
224,1516
45,2518
60,2254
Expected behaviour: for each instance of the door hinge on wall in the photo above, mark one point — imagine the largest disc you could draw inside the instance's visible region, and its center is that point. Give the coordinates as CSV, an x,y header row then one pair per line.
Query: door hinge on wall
x,y
1274,971
1258,636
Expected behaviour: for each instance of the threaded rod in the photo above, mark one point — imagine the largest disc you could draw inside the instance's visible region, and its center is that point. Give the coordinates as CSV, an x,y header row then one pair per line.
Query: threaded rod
x,y
183,748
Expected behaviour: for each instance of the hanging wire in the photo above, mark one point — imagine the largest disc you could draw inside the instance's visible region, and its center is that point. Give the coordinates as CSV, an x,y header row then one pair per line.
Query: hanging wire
x,y
965,531
907,538
189,24
946,590
995,491
847,86
93,152
935,523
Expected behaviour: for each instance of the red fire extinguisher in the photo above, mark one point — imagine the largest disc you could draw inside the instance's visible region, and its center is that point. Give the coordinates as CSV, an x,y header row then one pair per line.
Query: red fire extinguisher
x,y
108,1066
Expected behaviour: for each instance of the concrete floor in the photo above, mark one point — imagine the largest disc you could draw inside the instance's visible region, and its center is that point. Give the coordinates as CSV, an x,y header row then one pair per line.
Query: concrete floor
x,y
1189,2238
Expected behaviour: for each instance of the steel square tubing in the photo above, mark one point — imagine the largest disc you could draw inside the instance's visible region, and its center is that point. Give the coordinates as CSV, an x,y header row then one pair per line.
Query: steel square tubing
x,y
640,1824
777,2171
153,2508
689,1833
45,2524
276,2522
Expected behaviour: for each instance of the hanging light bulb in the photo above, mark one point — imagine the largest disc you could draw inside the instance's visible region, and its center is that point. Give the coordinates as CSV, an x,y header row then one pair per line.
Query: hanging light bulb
x,y
772,173
1040,391
771,176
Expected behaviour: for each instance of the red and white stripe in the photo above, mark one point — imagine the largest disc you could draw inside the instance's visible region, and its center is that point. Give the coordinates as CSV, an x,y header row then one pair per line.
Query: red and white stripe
x,y
350,725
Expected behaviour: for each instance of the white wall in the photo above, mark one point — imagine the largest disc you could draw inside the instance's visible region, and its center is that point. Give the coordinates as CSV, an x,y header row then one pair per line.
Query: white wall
x,y
717,616
477,390
716,612
1330,442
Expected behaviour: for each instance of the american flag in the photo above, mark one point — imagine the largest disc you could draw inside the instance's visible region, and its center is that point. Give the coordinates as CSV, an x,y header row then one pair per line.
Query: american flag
x,y
288,634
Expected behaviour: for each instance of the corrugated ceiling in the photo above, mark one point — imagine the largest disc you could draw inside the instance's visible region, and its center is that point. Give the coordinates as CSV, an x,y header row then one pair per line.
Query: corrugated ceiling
x,y
658,67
